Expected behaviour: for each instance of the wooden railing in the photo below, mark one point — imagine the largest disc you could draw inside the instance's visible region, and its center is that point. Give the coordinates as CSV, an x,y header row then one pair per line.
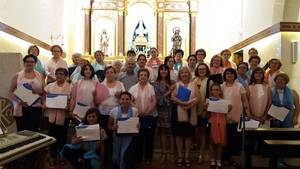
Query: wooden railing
x,y
279,27
21,35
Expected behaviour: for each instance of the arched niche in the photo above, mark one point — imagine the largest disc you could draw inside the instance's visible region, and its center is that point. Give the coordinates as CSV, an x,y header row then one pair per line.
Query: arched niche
x,y
181,21
104,22
137,11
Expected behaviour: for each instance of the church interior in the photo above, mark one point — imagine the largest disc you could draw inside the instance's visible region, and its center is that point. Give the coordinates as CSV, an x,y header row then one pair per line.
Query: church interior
x,y
114,27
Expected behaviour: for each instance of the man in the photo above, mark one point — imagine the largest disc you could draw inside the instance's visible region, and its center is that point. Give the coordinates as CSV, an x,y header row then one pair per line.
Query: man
x,y
129,77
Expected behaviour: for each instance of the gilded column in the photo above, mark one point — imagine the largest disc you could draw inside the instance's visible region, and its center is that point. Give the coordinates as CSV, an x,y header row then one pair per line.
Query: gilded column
x,y
193,4
87,32
192,33
120,33
160,27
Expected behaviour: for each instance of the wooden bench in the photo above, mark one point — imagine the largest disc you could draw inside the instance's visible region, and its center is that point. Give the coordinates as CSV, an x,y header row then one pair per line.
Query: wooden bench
x,y
261,134
281,148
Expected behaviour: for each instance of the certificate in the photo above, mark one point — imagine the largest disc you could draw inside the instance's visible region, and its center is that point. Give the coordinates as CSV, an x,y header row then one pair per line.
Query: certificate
x,y
24,92
278,113
249,123
80,109
129,125
218,106
57,101
88,132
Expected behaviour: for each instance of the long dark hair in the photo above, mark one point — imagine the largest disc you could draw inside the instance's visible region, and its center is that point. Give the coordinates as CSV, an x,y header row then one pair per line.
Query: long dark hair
x,y
90,111
252,79
168,78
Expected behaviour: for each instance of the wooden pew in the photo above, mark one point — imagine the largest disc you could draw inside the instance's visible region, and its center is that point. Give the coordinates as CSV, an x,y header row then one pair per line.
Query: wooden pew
x,y
261,134
281,148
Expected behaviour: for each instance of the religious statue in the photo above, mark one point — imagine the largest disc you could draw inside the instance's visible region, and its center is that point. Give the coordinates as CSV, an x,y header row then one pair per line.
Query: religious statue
x,y
104,42
140,30
176,39
140,40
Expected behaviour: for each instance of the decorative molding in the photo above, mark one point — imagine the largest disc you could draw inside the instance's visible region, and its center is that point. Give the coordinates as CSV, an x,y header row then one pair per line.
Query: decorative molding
x,y
279,27
19,34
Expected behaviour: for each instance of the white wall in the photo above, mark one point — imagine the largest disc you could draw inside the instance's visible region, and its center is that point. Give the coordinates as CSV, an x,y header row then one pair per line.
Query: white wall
x,y
221,24
38,18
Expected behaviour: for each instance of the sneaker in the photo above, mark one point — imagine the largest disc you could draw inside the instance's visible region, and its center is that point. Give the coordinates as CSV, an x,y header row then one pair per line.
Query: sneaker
x,y
219,164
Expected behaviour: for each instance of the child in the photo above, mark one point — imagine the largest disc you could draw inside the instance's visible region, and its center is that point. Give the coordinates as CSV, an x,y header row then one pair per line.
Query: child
x,y
87,150
122,142
218,127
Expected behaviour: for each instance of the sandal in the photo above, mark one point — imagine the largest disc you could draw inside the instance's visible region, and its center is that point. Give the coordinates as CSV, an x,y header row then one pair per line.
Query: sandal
x,y
187,162
179,162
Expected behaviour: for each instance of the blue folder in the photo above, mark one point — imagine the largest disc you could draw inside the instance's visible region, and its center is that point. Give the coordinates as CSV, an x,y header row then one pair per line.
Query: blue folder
x,y
183,93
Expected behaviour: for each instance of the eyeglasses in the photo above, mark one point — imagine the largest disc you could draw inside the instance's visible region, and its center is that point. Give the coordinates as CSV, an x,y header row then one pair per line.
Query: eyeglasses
x,y
202,69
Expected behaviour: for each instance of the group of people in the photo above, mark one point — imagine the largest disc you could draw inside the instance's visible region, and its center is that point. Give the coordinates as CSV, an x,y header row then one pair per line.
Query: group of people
x,y
149,90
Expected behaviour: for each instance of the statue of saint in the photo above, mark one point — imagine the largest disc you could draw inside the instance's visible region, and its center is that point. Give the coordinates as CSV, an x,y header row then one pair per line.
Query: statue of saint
x,y
140,30
176,39
104,42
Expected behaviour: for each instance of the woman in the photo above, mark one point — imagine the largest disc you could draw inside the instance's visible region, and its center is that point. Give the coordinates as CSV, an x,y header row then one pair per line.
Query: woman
x,y
163,89
56,117
192,61
141,63
259,96
115,87
145,101
184,115
169,60
117,66
282,96
122,142
201,55
274,69
99,65
254,62
55,62
235,93
90,152
27,116
83,92
216,69
201,80
34,50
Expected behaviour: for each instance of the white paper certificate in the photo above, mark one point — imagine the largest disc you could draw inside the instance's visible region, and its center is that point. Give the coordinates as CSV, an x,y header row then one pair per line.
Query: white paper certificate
x,y
128,126
250,123
80,109
24,92
278,113
218,106
88,132
57,101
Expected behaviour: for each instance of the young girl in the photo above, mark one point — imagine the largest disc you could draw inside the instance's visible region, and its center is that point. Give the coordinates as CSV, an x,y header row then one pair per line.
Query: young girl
x,y
87,150
218,127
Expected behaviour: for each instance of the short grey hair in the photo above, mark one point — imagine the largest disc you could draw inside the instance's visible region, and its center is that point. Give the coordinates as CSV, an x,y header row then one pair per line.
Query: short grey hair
x,y
77,55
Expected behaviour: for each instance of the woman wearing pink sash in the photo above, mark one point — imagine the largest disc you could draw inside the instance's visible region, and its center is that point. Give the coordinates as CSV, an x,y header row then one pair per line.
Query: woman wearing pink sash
x,y
235,93
184,116
27,116
259,96
274,69
83,92
145,101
